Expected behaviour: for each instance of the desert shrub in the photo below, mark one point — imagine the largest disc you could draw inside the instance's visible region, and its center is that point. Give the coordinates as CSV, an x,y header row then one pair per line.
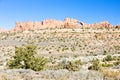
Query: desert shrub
x,y
117,47
25,57
69,65
78,62
108,58
95,65
107,64
72,66
105,52
117,63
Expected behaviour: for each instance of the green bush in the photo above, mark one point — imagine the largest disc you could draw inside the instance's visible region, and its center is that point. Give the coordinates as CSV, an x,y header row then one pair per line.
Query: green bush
x,y
108,58
95,65
25,57
69,65
107,64
117,63
73,65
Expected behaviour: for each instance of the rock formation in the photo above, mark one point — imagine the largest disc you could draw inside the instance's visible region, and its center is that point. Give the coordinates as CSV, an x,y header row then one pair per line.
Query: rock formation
x,y
70,23
103,24
24,26
51,23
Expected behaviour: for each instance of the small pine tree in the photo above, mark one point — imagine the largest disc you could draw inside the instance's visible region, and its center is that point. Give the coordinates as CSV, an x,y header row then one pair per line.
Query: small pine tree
x,y
25,58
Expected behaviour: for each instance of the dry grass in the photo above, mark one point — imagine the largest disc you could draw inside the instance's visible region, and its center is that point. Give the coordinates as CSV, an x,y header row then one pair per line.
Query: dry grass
x,y
65,44
5,76
108,73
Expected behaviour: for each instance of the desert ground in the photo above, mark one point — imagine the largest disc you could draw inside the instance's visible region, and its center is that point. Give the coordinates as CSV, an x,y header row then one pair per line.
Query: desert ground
x,y
61,46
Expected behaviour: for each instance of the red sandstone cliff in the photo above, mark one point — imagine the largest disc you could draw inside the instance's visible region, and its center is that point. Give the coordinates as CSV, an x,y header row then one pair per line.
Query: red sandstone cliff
x,y
103,24
51,23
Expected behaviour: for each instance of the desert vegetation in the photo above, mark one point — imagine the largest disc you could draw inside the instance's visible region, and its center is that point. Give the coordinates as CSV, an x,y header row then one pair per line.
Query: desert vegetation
x,y
60,54
26,58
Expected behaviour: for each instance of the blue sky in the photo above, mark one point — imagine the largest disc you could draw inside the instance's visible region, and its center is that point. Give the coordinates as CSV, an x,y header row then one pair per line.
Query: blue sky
x,y
89,11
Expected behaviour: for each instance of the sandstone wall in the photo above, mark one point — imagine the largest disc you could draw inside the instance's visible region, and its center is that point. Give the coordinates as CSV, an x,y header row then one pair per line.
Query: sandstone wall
x,y
51,23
